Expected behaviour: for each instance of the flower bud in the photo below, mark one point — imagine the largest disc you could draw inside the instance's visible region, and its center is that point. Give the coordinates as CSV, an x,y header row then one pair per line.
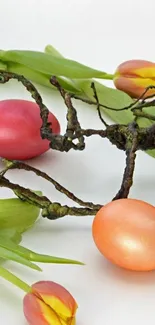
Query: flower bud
x,y
49,303
134,76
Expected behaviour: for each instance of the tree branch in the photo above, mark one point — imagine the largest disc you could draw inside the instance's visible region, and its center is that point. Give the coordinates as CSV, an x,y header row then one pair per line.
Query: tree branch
x,y
50,210
73,125
129,138
59,187
129,169
25,193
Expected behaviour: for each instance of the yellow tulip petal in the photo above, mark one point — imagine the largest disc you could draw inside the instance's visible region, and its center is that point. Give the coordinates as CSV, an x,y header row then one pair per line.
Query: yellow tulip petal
x,y
58,306
144,83
49,315
147,72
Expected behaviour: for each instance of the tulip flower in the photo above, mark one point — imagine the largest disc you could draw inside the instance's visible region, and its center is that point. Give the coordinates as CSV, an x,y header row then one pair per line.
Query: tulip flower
x,y
49,303
134,76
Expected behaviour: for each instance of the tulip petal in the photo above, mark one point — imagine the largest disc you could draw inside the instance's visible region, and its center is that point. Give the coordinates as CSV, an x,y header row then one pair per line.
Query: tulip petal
x,y
134,87
69,321
38,313
141,68
148,72
57,297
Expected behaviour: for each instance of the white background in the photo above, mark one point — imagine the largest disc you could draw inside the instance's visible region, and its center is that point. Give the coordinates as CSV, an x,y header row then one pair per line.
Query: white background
x,y
101,34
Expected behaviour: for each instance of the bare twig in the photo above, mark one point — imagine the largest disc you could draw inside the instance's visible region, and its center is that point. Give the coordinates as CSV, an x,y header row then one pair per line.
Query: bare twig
x,y
139,113
59,187
50,210
98,104
73,125
25,193
90,132
132,105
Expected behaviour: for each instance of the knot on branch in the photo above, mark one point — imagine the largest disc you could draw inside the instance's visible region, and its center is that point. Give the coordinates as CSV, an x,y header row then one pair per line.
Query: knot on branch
x,y
55,211
64,143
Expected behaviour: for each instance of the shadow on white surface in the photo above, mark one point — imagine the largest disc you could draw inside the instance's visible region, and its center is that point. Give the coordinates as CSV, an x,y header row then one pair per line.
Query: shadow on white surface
x,y
124,276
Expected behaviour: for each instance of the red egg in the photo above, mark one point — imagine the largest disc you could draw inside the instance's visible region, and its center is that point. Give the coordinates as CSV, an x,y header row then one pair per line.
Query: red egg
x,y
20,124
124,232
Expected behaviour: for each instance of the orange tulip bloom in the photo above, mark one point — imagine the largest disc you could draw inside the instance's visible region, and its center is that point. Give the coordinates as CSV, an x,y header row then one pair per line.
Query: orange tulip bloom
x,y
134,76
49,303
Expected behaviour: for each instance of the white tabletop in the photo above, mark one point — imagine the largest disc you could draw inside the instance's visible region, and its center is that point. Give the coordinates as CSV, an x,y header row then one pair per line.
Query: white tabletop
x,y
101,34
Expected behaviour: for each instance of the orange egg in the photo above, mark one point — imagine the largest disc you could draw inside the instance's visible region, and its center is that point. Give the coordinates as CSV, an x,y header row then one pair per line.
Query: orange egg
x,y
124,232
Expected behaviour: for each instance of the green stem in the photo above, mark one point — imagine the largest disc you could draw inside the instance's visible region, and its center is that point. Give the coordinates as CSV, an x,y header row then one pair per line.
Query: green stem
x,y
108,76
14,280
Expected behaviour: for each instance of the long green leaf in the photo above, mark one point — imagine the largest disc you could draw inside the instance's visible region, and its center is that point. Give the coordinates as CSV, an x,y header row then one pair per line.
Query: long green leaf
x,y
12,234
7,275
17,216
42,258
31,255
10,277
10,255
49,49
40,78
52,65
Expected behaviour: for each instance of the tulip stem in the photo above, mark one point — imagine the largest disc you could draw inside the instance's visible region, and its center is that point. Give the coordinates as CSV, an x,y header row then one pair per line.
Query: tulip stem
x,y
108,76
7,275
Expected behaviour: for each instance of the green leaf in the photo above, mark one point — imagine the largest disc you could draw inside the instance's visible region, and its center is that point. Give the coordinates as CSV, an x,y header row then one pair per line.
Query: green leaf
x,y
10,277
17,214
49,49
40,78
52,259
10,255
31,255
10,212
49,64
109,97
3,66
11,234
116,99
